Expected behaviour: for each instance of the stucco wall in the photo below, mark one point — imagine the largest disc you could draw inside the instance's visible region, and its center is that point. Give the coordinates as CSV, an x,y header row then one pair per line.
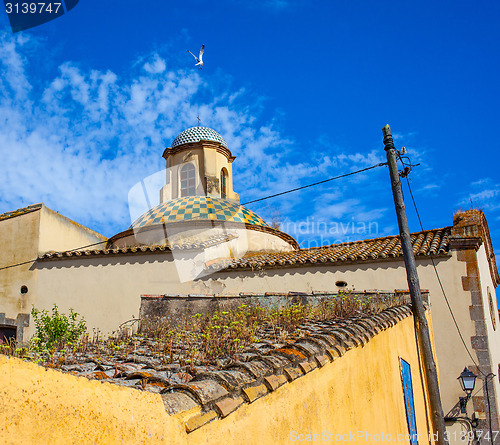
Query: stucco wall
x,y
381,275
23,238
107,291
58,233
19,237
360,393
48,407
208,163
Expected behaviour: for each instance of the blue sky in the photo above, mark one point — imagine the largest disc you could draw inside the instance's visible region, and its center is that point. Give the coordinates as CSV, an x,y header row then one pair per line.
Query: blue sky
x,y
299,89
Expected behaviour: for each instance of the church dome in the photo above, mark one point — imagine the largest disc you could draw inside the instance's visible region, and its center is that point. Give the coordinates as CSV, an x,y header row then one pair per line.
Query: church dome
x,y
197,134
198,208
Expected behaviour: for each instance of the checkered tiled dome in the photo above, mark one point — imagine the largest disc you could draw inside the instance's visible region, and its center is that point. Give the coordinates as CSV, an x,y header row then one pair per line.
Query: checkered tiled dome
x,y
200,208
197,134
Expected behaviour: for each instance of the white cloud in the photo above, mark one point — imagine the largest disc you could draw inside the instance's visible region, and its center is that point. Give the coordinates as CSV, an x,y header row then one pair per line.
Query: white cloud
x,y
339,210
404,136
428,187
156,65
80,140
480,182
13,82
487,199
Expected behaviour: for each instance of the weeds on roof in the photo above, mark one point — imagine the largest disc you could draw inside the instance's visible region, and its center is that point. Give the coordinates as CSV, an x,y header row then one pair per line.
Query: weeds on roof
x,y
214,338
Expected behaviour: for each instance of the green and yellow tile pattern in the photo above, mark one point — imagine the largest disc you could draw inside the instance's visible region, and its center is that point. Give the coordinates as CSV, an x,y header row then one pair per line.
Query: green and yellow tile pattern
x,y
198,208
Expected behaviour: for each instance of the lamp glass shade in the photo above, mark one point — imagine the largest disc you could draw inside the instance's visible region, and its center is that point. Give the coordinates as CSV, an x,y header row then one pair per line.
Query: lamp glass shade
x,y
467,380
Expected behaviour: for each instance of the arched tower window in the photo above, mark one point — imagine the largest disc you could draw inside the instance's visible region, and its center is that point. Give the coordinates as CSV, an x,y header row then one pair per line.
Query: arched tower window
x,y
188,180
223,183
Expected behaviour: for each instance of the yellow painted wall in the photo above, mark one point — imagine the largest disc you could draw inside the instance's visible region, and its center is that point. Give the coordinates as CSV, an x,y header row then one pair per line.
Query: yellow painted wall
x,y
208,162
359,393
58,233
19,238
23,238
49,407
214,163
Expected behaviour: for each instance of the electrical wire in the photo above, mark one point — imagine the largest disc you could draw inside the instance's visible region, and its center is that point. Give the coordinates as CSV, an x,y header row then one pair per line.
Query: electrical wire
x,y
449,306
32,261
487,379
248,202
436,271
468,429
488,400
317,183
381,164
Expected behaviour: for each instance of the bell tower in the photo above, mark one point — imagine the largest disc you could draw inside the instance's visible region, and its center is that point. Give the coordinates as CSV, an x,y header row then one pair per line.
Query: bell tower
x,y
199,163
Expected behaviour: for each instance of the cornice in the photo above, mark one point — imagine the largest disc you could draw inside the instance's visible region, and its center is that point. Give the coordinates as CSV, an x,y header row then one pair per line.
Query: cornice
x,y
169,151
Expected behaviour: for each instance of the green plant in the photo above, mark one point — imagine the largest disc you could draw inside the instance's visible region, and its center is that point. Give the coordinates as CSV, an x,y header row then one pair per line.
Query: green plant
x,y
55,330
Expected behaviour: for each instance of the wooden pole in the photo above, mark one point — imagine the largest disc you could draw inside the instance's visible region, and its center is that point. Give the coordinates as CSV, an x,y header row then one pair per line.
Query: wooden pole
x,y
420,320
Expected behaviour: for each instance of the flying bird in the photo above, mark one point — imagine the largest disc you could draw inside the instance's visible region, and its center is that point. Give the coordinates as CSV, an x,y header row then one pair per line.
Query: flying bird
x,y
199,59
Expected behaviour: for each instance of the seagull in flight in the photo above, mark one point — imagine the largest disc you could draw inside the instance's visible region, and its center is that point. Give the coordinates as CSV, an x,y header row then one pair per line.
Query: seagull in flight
x,y
199,59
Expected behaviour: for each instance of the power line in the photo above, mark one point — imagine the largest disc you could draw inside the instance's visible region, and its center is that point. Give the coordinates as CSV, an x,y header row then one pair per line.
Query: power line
x,y
32,261
489,376
439,278
198,218
317,183
249,202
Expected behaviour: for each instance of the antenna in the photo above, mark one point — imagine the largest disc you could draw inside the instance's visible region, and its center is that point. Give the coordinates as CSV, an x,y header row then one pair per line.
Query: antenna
x,y
198,117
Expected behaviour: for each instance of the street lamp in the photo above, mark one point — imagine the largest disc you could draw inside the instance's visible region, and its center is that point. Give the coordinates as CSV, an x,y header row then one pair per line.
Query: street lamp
x,y
467,382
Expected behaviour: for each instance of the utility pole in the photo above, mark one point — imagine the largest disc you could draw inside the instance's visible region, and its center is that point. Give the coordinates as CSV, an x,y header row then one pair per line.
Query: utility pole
x,y
419,319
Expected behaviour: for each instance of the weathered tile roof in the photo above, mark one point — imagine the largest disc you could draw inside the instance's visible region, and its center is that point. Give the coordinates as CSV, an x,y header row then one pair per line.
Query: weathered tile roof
x,y
215,393
428,242
210,242
18,212
219,393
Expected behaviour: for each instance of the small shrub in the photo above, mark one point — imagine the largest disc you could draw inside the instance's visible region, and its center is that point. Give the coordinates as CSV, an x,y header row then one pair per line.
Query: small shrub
x,y
57,329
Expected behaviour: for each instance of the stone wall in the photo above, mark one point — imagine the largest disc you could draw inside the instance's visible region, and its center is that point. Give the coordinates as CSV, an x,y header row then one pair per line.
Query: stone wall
x,y
175,307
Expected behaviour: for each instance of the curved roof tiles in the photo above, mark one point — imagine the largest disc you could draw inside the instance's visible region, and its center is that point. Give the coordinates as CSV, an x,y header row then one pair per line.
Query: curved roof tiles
x,y
425,244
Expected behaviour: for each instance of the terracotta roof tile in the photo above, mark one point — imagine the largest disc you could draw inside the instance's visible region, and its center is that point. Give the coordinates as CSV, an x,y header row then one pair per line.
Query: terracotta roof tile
x,y
215,394
213,241
428,242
